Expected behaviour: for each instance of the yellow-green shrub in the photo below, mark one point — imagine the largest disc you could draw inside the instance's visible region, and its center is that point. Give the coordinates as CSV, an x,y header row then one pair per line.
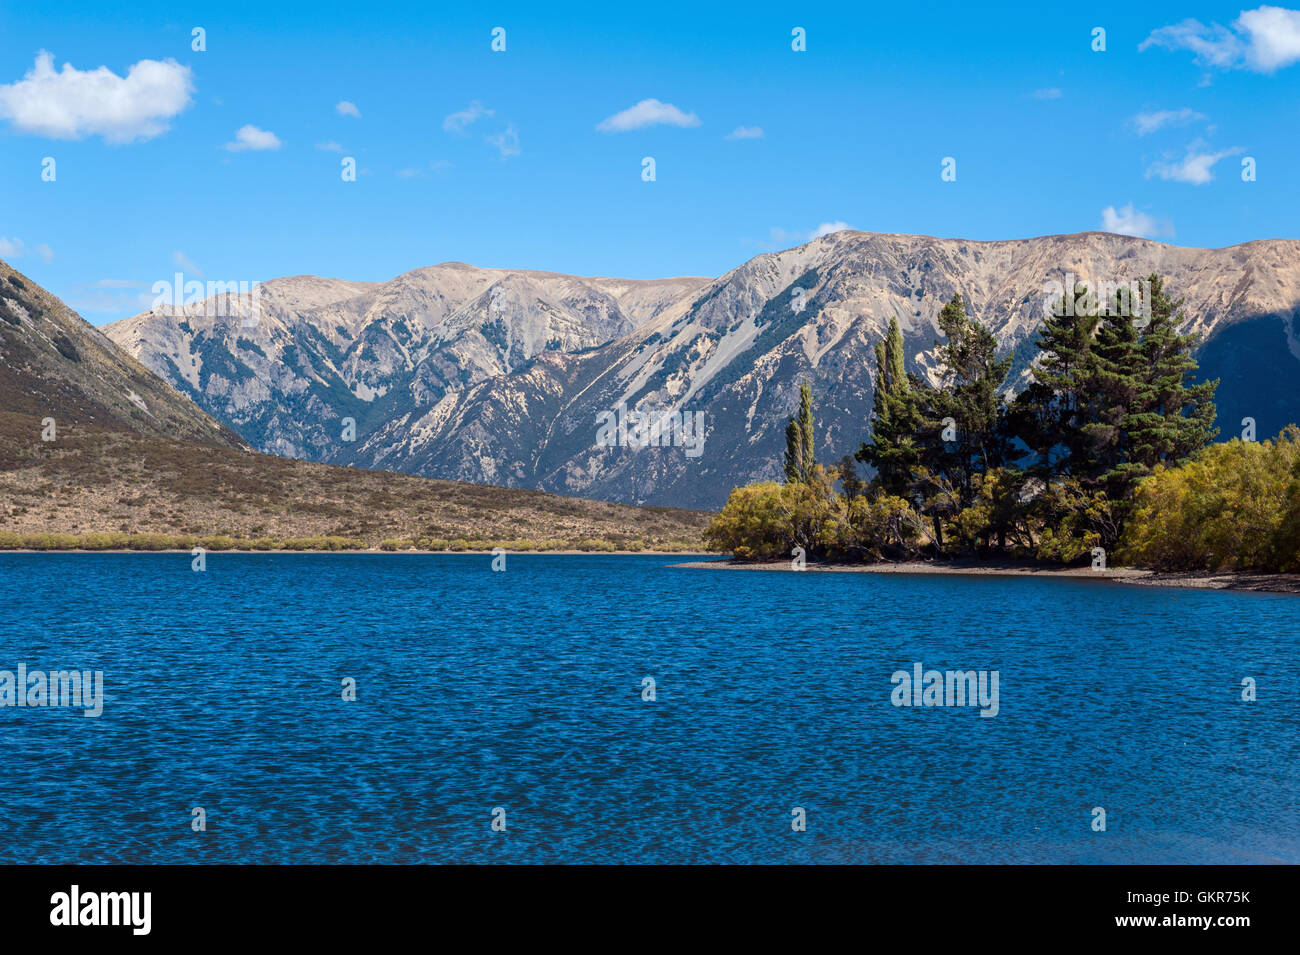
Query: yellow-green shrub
x,y
1234,506
768,520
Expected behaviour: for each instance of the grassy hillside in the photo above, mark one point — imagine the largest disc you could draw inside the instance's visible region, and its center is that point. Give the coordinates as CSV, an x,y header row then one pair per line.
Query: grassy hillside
x,y
113,489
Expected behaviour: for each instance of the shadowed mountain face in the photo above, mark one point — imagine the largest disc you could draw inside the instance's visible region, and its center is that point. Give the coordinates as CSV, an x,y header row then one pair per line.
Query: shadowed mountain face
x,y
53,364
507,377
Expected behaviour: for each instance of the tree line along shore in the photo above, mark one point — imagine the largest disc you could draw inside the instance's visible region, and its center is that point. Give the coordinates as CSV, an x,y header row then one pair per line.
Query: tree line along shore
x,y
1106,456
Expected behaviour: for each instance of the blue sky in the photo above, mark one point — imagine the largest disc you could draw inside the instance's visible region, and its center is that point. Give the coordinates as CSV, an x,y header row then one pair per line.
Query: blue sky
x,y
1047,134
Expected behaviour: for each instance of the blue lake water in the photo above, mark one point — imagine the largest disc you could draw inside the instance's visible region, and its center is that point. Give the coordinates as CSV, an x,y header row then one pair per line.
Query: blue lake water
x,y
523,690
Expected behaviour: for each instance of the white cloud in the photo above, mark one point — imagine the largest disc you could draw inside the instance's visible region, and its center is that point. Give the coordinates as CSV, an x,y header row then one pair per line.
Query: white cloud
x,y
1128,221
250,137
330,147
1274,37
506,142
1051,92
438,167
72,103
182,262
458,121
826,228
1212,45
778,237
347,108
1197,167
15,249
1265,40
746,132
648,112
1159,119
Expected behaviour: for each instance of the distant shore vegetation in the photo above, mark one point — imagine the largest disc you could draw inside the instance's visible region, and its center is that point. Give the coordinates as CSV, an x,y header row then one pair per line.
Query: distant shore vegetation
x,y
1105,450
111,541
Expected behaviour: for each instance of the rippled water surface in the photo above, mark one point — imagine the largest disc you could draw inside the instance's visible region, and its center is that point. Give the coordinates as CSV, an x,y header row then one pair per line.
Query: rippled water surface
x,y
522,690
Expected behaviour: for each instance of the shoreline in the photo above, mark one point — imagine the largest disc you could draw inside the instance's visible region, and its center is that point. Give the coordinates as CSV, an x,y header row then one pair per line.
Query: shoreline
x,y
1188,580
1191,580
373,550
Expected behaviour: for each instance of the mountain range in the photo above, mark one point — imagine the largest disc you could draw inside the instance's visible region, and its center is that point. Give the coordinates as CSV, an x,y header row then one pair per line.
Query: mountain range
x,y
504,377
97,451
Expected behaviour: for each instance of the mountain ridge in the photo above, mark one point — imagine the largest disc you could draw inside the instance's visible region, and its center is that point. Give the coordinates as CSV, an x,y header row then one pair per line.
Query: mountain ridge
x,y
508,371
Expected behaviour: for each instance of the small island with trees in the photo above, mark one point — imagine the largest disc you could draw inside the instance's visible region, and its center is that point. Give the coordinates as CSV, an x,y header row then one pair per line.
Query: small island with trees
x,y
1108,453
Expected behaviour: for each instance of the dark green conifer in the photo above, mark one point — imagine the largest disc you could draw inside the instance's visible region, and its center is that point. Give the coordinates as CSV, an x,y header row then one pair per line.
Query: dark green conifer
x,y
897,419
971,378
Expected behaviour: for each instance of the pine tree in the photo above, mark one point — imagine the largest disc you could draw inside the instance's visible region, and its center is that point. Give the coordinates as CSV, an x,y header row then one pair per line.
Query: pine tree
x,y
1172,419
793,452
1051,413
897,419
806,423
889,358
1113,380
800,458
972,377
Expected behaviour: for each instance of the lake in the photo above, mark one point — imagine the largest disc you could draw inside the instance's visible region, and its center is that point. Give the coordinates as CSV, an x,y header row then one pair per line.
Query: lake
x,y
522,691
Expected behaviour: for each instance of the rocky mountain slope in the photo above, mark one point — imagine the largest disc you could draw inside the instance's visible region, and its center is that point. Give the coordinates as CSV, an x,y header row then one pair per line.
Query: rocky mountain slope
x,y
54,364
507,377
323,350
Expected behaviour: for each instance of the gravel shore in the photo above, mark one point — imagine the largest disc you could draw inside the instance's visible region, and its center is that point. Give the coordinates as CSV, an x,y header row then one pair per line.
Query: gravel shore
x,y
1200,580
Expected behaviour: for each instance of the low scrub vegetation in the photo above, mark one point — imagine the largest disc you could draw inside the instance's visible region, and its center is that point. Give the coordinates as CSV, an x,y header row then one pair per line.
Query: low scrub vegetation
x,y
120,541
127,541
